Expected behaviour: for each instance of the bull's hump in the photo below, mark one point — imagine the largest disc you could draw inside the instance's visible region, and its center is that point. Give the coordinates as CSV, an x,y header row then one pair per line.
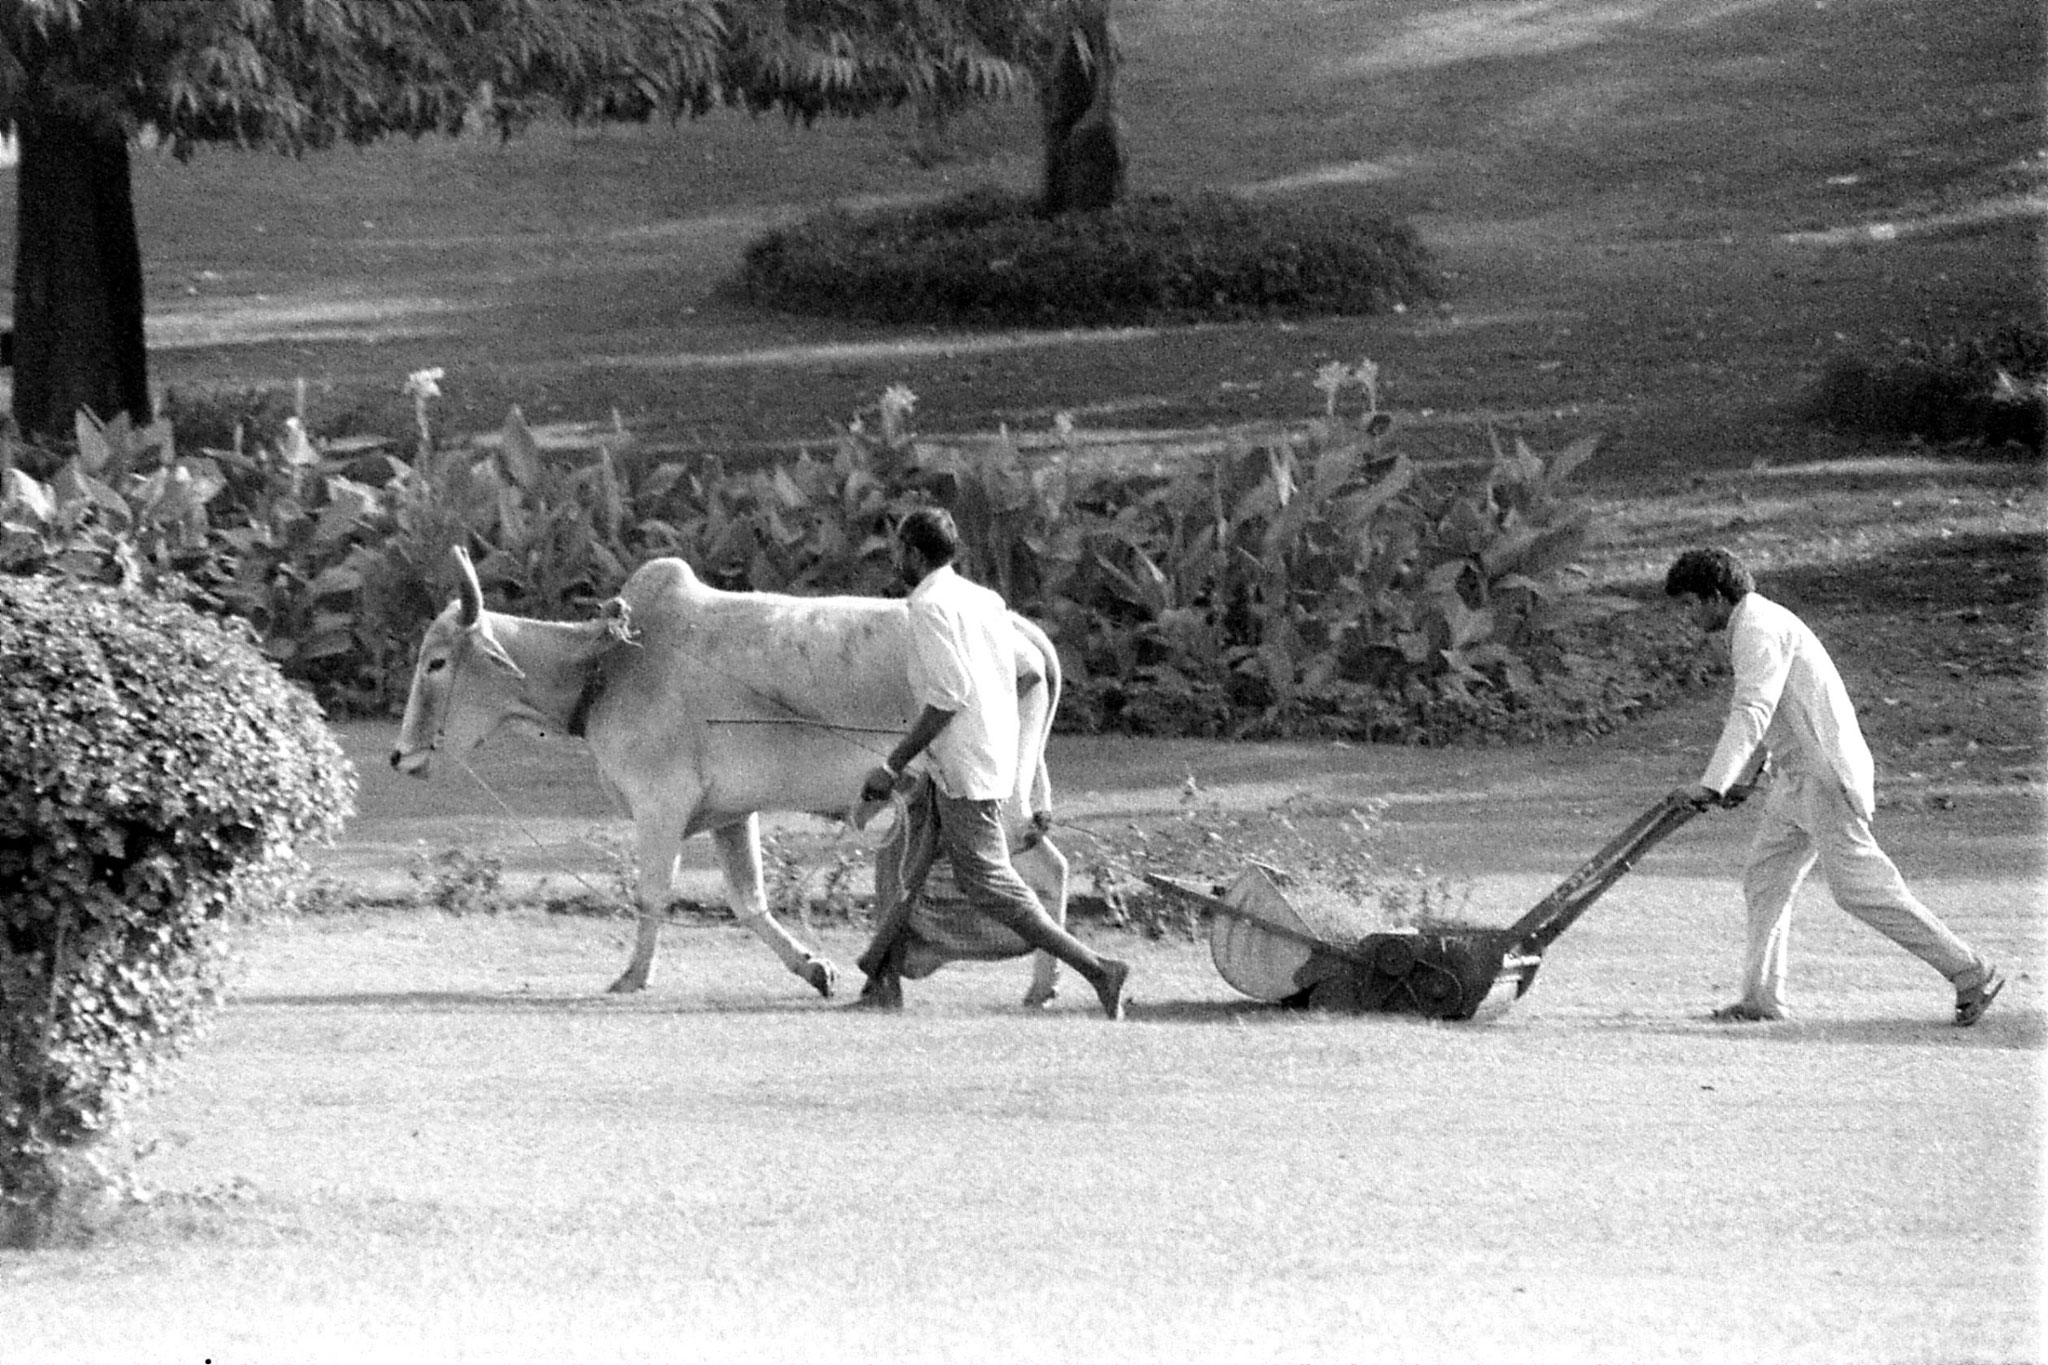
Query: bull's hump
x,y
672,607
660,578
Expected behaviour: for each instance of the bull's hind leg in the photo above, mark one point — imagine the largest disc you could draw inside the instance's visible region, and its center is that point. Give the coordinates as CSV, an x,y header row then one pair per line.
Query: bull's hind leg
x,y
739,852
1044,870
657,846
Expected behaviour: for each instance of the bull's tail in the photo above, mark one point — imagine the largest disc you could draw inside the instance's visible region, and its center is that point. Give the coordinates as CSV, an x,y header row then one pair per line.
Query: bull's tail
x,y
1034,730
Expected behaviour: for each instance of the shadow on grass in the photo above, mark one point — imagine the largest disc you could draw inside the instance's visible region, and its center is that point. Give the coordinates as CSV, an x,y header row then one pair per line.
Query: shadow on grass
x,y
522,1002
2011,1030
1251,1012
528,1002
2016,1030
1962,572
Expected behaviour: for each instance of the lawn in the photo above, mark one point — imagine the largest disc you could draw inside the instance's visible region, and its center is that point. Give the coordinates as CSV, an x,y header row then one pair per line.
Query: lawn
x,y
421,1136
417,1136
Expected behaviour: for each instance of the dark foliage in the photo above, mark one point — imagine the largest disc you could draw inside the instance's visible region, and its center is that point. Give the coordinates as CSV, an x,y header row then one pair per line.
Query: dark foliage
x,y
1981,390
991,258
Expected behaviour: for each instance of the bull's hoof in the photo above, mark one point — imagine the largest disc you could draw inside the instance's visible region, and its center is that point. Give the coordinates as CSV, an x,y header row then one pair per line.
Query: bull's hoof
x,y
627,984
821,975
881,993
1038,997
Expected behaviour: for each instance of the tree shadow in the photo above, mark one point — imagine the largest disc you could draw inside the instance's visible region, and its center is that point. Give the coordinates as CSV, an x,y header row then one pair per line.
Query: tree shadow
x,y
1238,1012
2014,1031
1979,571
520,1002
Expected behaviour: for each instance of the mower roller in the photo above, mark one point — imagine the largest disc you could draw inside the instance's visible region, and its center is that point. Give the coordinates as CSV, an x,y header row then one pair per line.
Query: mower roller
x,y
1265,948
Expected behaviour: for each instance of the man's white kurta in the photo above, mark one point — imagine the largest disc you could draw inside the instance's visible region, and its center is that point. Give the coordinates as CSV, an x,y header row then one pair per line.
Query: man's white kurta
x,y
963,659
1789,697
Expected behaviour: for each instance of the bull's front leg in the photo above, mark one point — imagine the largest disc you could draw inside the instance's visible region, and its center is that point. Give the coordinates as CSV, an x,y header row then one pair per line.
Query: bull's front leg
x,y
739,852
657,848
1044,870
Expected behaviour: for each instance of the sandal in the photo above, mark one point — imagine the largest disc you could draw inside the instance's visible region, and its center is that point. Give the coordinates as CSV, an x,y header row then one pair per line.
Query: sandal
x,y
1972,1001
1742,1012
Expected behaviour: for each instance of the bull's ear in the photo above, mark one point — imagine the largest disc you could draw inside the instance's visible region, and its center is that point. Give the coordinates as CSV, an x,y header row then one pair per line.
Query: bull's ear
x,y
488,645
472,591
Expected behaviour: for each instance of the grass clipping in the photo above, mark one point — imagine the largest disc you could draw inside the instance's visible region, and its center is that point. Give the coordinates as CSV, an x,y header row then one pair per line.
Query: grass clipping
x,y
1335,861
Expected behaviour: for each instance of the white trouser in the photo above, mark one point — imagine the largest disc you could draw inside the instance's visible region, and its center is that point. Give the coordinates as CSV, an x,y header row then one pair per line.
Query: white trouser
x,y
1807,817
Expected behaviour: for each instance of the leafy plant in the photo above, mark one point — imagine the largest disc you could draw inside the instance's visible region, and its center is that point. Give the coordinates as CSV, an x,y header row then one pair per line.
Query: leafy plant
x,y
157,782
1315,582
459,880
1310,580
818,889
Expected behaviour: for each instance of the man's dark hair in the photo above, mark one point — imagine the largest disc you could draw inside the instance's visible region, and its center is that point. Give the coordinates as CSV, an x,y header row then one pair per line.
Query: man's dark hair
x,y
1712,572
930,531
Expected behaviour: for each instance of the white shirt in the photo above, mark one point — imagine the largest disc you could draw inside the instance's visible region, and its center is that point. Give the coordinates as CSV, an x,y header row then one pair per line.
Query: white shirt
x,y
1789,698
963,659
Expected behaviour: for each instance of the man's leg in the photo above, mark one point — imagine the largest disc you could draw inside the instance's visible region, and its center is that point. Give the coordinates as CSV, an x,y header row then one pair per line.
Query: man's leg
x,y
1780,855
972,834
883,989
1867,884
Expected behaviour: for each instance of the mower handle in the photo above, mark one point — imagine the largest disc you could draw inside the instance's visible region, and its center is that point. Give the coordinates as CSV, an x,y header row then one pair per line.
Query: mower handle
x,y
1555,913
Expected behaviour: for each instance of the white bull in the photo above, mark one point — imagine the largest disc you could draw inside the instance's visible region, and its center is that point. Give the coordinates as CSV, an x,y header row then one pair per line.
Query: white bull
x,y
703,708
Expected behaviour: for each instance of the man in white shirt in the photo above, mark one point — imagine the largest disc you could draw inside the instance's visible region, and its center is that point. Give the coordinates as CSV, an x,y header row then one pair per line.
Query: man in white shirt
x,y
963,675
1789,700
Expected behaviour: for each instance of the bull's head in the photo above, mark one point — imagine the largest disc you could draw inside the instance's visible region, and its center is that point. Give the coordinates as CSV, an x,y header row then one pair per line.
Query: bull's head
x,y
464,686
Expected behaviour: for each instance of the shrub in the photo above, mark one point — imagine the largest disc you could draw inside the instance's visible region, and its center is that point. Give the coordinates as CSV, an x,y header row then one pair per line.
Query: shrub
x,y
1309,581
459,880
246,419
156,777
989,258
1303,583
1991,391
333,558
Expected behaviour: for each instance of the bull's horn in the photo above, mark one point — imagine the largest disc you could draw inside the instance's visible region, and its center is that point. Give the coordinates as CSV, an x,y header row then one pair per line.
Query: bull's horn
x,y
472,591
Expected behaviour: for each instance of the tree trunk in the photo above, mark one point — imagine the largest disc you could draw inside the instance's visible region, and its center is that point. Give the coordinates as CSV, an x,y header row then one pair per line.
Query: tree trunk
x,y
77,277
1084,139
50,1197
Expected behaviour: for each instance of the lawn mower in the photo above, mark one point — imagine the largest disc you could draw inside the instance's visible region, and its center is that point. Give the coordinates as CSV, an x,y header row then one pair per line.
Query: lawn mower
x,y
1265,947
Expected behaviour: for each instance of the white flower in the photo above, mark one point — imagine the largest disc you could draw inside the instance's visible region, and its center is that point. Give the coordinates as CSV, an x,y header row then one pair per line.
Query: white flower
x,y
1331,379
1063,425
898,402
425,383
